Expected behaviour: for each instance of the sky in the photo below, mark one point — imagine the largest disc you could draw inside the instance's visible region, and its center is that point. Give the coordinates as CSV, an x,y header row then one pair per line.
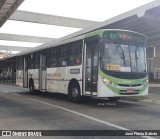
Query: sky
x,y
95,10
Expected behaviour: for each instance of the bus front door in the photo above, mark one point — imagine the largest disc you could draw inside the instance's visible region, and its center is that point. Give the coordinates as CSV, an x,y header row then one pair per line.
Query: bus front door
x,y
25,73
43,71
91,67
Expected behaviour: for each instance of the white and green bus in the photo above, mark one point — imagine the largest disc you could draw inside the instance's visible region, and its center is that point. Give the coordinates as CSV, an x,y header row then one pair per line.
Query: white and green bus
x,y
103,63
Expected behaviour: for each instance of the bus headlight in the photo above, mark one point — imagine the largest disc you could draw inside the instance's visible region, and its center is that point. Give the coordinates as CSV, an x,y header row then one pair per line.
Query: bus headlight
x,y
107,82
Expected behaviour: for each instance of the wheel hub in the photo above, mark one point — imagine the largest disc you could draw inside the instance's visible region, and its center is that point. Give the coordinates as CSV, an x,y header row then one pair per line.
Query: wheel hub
x,y
74,92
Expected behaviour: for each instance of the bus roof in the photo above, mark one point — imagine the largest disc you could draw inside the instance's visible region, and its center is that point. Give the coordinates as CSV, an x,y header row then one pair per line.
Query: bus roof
x,y
65,40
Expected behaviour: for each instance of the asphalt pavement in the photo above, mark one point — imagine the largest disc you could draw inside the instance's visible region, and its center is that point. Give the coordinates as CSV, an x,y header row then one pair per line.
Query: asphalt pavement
x,y
47,111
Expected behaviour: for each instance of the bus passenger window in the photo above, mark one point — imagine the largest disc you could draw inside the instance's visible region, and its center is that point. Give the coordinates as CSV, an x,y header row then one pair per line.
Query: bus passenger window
x,y
52,58
77,60
64,62
36,61
76,54
53,63
64,55
20,63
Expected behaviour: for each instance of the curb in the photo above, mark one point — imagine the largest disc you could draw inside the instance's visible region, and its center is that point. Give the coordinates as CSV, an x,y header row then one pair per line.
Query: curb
x,y
141,99
154,85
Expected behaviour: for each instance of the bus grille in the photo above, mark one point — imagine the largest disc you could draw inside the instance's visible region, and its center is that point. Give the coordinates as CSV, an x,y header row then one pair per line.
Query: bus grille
x,y
128,76
130,85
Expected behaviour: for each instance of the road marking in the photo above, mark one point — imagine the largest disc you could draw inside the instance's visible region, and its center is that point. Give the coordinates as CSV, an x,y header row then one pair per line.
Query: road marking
x,y
16,94
88,117
5,91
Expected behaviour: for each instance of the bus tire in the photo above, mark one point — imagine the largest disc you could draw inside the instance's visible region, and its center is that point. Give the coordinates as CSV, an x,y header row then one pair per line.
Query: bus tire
x,y
113,99
75,93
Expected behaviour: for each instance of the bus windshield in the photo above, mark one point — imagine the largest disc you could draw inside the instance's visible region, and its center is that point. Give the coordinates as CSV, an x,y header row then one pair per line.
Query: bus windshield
x,y
128,57
123,56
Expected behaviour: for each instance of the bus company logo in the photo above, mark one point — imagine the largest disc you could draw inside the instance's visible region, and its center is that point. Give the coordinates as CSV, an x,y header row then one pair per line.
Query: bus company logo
x,y
6,133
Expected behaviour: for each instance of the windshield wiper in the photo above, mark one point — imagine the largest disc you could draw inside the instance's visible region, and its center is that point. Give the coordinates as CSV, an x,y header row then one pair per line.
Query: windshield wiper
x,y
121,52
136,57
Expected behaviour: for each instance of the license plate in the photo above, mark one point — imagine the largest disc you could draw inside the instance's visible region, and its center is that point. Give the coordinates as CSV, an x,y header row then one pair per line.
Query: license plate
x,y
130,91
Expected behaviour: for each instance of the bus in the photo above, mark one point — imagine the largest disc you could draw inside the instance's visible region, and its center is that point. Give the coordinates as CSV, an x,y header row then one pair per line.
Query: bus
x,y
105,63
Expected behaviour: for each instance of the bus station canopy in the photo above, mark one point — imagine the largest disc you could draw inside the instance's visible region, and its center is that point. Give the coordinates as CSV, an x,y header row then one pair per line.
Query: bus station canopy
x,y
144,19
7,8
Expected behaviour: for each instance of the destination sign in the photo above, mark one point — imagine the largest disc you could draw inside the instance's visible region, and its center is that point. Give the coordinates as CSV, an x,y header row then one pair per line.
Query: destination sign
x,y
124,36
113,67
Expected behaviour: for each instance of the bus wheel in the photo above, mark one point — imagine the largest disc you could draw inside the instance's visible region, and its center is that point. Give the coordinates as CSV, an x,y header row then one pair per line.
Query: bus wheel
x,y
113,99
75,93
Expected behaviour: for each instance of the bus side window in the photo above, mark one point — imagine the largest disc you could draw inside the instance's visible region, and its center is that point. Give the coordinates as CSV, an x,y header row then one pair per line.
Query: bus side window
x,y
64,62
64,55
30,61
76,54
36,61
20,63
52,58
33,61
